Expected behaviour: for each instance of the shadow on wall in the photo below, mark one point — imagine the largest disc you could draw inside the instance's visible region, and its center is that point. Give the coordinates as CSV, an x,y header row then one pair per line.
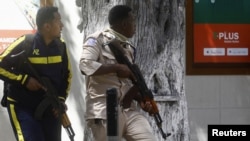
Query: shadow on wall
x,y
6,132
201,134
73,38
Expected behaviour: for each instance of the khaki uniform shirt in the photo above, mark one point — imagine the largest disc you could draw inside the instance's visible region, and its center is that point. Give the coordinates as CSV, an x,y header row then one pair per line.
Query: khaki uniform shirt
x,y
95,54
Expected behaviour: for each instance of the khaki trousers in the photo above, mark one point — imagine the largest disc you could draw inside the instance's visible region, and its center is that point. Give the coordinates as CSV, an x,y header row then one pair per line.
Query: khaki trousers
x,y
132,127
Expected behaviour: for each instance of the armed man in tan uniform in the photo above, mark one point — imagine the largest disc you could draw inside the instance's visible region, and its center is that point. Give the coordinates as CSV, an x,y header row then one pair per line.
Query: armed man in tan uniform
x,y
102,72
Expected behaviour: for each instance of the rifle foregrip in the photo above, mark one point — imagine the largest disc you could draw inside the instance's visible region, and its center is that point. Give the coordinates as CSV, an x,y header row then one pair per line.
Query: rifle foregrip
x,y
65,120
154,107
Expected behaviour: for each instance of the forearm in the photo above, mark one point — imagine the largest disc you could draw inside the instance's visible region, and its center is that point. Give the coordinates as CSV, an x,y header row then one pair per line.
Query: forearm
x,y
106,69
132,94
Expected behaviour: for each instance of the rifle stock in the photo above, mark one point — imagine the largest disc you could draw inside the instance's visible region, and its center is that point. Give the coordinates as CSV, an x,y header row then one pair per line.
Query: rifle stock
x,y
139,82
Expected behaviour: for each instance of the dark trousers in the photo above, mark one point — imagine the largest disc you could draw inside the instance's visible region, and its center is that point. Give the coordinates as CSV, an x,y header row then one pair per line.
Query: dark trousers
x,y
26,128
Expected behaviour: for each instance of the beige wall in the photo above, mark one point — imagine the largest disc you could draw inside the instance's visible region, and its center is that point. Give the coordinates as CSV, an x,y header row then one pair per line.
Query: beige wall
x,y
216,100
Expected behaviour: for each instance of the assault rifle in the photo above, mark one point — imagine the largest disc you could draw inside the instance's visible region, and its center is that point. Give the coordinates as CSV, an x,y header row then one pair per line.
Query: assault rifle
x,y
50,99
139,81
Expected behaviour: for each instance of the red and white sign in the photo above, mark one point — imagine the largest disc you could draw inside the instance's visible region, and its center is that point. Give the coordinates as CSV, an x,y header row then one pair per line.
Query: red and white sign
x,y
17,18
221,43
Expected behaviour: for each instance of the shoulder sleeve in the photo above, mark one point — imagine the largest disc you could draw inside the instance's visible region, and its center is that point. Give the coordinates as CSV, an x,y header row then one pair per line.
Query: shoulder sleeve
x,y
90,55
12,48
10,61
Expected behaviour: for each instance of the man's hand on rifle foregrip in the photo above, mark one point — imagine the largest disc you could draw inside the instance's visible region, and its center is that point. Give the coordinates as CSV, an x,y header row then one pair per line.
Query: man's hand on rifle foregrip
x,y
148,107
63,109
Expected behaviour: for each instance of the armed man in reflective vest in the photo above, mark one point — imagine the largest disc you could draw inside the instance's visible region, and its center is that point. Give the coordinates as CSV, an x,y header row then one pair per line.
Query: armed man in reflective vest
x,y
47,54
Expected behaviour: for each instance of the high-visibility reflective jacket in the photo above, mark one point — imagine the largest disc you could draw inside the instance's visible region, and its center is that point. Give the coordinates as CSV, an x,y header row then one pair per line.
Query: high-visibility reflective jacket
x,y
48,60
